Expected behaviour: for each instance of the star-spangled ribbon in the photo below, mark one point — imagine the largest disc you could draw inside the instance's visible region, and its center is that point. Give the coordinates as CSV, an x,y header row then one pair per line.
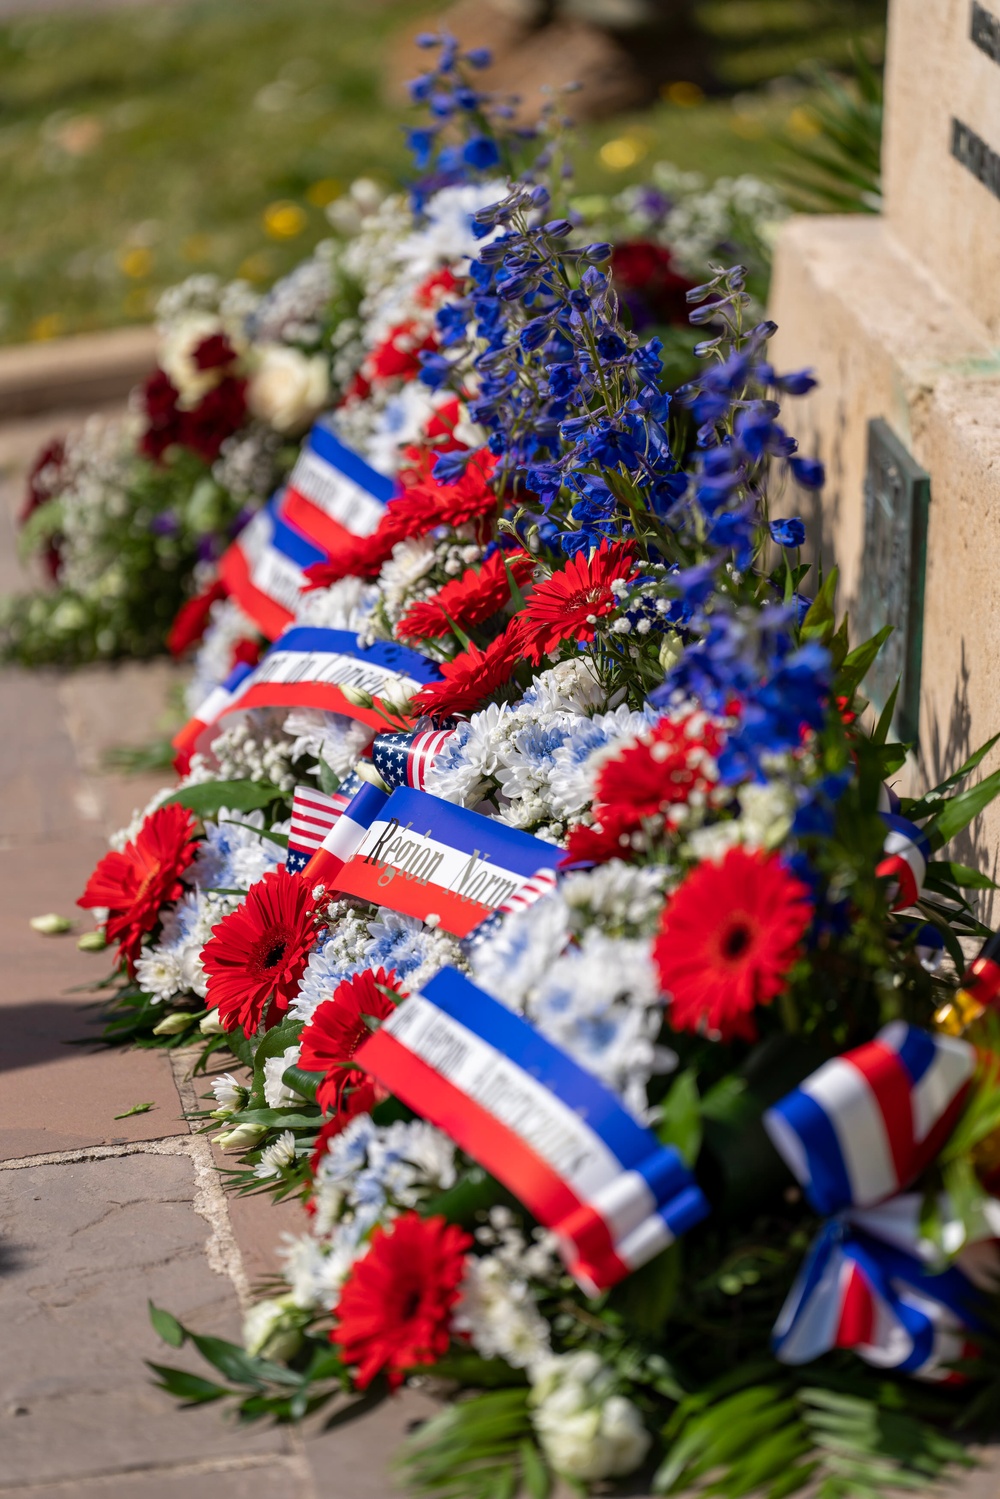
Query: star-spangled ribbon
x,y
550,1131
313,816
425,857
264,569
310,667
333,495
404,759
856,1134
347,832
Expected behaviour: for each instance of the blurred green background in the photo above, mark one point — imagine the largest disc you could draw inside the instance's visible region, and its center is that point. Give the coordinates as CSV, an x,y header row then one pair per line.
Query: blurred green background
x,y
138,146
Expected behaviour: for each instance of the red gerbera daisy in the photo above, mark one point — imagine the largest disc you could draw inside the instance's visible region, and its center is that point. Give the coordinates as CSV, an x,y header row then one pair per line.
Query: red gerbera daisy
x,y
568,605
467,600
728,937
675,760
472,675
395,1307
335,1032
136,883
259,952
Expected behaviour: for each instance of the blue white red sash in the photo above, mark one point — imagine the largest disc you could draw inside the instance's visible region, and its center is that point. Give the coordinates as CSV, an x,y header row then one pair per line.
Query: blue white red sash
x,y
854,1133
264,569
313,816
425,857
309,668
865,1125
185,741
865,1286
404,759
345,835
333,494
907,851
546,1128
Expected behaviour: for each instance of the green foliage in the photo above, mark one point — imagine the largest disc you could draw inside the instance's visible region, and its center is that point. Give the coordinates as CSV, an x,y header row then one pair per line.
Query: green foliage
x,y
478,1448
207,798
770,1430
840,169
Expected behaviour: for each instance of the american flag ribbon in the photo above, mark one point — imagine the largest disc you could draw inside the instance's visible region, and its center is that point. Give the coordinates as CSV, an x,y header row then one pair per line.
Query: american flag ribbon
x,y
864,1126
313,816
555,1135
404,759
345,835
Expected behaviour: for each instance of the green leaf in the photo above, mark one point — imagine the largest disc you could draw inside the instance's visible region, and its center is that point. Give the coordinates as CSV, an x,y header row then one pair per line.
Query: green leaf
x,y
961,810
881,731
166,1326
930,798
962,876
303,1083
680,1123
190,1388
648,1296
859,661
534,1472
820,622
329,780
281,839
209,797
276,1041
137,1108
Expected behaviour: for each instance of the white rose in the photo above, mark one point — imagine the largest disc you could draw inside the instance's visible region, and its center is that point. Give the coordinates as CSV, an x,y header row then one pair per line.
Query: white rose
x,y
177,355
622,1425
287,388
272,1329
574,1445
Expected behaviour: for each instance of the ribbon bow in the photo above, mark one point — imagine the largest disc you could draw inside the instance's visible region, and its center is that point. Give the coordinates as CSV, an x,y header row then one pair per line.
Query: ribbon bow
x,y
906,851
856,1133
404,759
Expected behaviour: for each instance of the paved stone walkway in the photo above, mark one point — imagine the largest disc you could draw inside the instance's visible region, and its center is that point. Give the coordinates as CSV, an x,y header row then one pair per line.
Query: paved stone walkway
x,y
98,1215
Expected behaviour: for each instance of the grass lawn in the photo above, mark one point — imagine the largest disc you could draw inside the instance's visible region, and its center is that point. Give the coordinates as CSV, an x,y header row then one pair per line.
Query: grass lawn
x,y
139,146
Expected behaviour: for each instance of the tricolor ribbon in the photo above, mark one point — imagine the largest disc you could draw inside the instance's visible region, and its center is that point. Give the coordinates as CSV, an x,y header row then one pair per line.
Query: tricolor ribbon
x,y
315,668
869,1284
855,1134
186,740
333,495
404,759
264,569
906,851
348,831
549,1130
424,857
313,816
865,1125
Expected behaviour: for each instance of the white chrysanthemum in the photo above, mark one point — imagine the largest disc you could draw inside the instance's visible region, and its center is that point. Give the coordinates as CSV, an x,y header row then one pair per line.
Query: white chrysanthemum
x,y
229,1094
316,1271
276,1094
235,855
571,685
513,960
766,813
461,773
276,1157
500,1315
345,605
616,894
333,737
410,562
160,974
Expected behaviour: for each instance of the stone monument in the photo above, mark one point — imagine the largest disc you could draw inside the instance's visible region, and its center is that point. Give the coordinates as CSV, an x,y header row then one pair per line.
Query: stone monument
x,y
899,315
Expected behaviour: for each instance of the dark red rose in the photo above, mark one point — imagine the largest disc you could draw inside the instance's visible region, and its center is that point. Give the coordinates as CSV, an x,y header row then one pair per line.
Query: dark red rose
x,y
213,353
217,416
649,286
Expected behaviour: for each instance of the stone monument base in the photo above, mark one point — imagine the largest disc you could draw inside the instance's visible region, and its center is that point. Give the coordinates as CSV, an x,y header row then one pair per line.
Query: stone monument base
x,y
886,341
